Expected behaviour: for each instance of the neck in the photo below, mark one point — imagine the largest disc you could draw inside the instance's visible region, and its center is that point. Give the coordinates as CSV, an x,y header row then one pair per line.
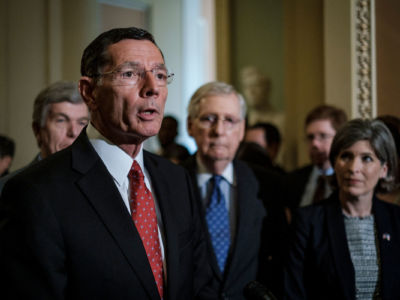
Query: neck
x,y
131,149
356,206
215,166
43,154
128,143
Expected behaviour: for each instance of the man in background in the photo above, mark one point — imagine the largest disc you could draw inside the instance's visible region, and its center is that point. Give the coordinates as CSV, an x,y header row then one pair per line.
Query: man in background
x,y
268,137
7,150
59,115
170,149
309,184
226,189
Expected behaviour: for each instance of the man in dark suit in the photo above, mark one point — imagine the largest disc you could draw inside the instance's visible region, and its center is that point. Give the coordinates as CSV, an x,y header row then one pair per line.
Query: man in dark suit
x,y
307,185
216,122
104,219
59,115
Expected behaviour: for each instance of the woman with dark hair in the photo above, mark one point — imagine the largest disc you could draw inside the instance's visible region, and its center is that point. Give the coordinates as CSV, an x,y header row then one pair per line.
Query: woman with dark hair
x,y
348,246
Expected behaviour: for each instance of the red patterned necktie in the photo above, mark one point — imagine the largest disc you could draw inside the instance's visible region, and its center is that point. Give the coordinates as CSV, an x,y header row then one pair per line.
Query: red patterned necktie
x,y
145,219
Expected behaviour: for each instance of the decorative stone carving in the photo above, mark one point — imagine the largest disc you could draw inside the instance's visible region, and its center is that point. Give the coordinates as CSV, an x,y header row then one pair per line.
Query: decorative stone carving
x,y
363,59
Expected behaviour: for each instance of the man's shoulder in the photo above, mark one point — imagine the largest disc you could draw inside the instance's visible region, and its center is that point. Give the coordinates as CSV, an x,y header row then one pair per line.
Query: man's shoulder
x,y
302,171
244,168
246,175
159,163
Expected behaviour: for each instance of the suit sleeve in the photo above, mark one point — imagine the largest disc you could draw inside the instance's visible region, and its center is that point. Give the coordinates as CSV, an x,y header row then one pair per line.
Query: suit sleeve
x,y
295,269
32,256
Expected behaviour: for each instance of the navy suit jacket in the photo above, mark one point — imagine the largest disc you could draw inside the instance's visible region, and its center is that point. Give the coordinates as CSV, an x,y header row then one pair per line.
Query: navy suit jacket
x,y
320,265
242,264
66,233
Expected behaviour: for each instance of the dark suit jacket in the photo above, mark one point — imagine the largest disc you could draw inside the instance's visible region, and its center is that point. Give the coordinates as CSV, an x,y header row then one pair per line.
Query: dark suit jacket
x,y
320,265
67,234
296,182
6,178
242,264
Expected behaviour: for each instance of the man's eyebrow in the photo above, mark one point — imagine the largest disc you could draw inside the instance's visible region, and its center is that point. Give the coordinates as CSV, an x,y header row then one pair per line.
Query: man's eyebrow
x,y
60,114
132,64
160,66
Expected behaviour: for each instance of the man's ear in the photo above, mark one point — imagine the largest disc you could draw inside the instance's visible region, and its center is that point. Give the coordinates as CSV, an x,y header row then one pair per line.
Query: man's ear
x,y
36,132
86,89
242,129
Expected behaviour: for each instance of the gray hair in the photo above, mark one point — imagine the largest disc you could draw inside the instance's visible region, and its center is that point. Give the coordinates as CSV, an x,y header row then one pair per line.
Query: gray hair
x,y
381,141
214,88
61,91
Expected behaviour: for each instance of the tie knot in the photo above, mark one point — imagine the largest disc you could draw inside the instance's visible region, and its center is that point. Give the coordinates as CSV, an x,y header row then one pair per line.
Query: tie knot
x,y
136,171
217,179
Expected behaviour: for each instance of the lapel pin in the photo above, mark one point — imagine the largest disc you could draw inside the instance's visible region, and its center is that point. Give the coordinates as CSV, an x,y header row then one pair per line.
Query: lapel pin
x,y
386,236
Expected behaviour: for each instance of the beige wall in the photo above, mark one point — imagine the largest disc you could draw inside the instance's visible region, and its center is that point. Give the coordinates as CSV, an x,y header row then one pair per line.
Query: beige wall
x,y
25,71
388,59
337,54
257,40
304,71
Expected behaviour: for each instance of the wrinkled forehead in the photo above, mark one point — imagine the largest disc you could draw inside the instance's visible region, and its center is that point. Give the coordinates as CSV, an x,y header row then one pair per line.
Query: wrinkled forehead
x,y
138,52
320,126
221,104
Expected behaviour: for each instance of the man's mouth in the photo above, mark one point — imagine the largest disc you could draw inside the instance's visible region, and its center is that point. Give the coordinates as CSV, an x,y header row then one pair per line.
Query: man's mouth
x,y
148,114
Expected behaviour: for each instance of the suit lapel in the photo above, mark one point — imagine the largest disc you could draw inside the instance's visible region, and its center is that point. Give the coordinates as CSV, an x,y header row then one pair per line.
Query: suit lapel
x,y
340,249
191,165
388,247
99,188
244,219
162,192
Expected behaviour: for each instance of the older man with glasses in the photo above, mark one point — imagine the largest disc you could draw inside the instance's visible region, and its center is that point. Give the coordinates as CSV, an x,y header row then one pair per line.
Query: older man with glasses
x,y
226,189
105,219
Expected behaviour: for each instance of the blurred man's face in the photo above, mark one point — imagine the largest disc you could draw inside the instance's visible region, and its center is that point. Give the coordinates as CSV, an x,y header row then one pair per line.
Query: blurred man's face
x,y
168,132
256,135
128,113
217,140
63,124
319,135
5,163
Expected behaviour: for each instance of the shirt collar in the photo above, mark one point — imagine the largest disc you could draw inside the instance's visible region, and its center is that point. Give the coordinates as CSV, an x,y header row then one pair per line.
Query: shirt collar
x,y
117,161
327,172
203,175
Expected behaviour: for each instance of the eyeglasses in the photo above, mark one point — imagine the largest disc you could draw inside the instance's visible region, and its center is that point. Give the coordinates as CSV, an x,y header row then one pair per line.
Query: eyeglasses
x,y
320,137
126,76
209,121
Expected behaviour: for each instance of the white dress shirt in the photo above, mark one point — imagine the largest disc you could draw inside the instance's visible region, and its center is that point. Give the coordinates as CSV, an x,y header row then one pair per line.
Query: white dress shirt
x,y
311,186
119,163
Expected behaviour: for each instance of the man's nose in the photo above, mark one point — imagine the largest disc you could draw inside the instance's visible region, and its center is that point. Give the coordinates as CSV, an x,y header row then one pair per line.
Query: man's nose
x,y
73,130
218,127
150,87
315,142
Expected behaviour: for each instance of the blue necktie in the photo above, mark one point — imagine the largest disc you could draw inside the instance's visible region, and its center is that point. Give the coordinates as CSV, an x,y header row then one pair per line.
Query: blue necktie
x,y
218,223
